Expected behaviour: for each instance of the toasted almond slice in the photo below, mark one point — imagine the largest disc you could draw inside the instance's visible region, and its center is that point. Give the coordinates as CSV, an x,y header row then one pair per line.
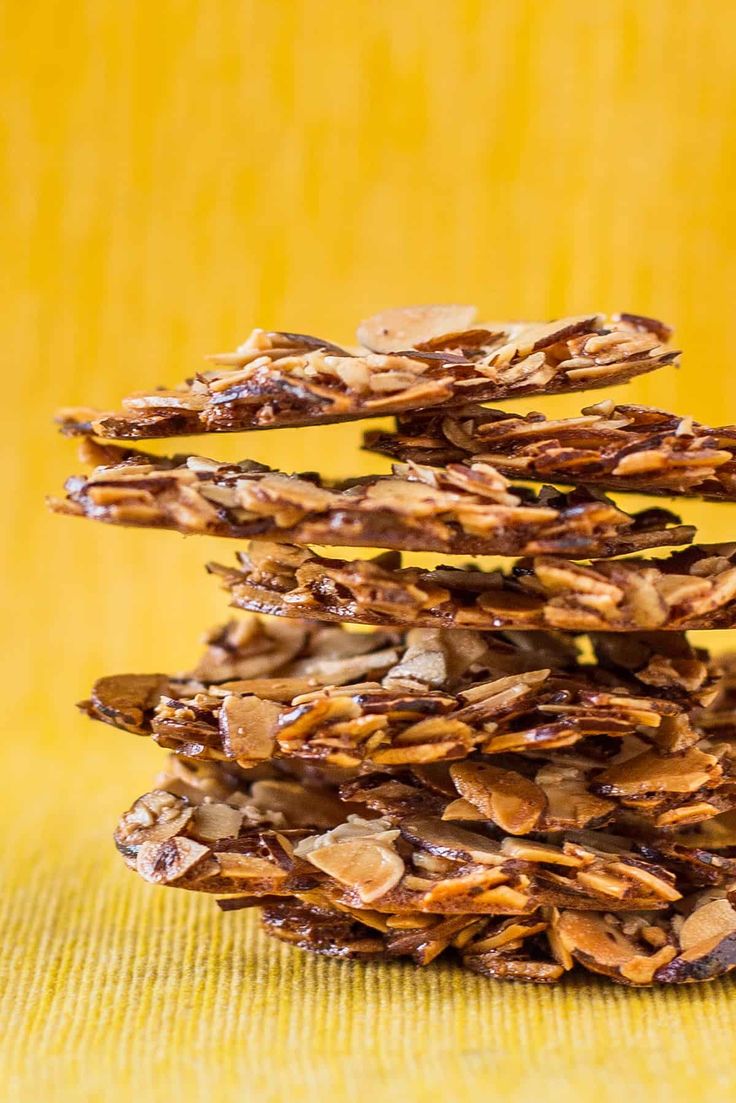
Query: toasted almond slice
x,y
645,877
482,891
358,853
462,809
248,726
714,920
153,818
602,884
604,947
511,930
559,948
125,698
641,969
449,841
525,851
569,801
405,327
369,866
246,867
591,934
162,863
216,821
650,772
507,798
708,941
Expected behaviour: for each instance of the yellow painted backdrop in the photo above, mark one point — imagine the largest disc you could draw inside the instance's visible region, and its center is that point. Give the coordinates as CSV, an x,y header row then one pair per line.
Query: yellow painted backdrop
x,y
172,173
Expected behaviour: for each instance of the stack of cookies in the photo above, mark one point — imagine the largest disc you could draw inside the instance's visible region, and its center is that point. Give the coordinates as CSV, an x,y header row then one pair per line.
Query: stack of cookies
x,y
524,769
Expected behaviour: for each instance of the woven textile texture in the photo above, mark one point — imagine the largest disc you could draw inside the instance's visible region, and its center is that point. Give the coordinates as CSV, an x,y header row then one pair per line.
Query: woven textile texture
x,y
173,173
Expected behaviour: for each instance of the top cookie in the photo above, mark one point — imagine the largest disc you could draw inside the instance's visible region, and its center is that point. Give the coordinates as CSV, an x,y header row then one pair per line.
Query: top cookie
x,y
409,359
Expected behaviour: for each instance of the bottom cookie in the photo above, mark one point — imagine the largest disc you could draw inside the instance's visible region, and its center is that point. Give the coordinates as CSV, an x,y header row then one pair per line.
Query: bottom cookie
x,y
333,877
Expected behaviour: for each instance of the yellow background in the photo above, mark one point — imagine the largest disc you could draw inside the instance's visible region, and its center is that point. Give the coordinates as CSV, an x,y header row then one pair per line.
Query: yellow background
x,y
174,172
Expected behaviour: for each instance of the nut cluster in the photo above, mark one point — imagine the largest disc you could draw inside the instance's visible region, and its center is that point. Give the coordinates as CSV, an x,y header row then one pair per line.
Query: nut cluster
x,y
529,769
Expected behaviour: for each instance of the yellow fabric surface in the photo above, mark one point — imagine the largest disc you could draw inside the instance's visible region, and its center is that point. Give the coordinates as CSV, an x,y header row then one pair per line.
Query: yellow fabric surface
x,y
172,173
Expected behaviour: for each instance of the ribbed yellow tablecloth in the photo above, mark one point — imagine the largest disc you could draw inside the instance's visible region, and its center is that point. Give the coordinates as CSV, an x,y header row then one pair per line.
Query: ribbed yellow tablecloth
x,y
172,173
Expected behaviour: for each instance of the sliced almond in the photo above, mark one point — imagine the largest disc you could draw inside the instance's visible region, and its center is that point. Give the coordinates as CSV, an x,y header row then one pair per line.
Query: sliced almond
x,y
154,818
654,773
405,327
248,726
507,798
369,866
249,867
216,821
714,920
125,698
449,841
591,934
162,863
462,809
524,850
